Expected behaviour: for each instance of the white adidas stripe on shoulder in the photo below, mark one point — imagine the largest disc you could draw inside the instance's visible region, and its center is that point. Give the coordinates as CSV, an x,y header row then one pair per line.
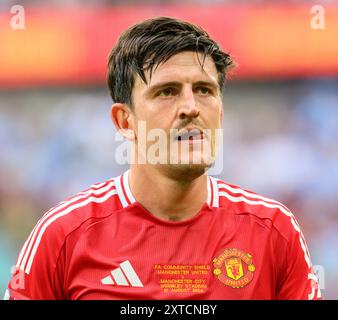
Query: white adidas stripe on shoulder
x,y
63,213
21,261
270,204
96,186
93,187
28,251
252,195
249,194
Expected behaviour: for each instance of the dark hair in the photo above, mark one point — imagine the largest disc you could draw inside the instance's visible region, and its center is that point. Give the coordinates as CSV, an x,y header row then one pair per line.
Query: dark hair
x,y
147,44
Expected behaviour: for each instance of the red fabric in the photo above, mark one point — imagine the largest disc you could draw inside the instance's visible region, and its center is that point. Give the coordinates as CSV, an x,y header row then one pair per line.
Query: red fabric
x,y
238,247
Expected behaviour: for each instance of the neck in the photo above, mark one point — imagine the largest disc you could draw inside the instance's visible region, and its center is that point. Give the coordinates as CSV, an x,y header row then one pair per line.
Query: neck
x,y
165,197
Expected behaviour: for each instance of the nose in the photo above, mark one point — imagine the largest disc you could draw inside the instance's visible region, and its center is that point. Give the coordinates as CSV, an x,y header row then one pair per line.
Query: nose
x,y
187,105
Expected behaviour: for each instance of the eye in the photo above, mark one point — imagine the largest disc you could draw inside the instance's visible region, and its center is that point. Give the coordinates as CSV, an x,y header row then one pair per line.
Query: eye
x,y
203,90
166,92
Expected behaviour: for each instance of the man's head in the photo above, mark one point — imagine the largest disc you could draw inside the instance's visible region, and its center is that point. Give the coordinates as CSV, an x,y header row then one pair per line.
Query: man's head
x,y
165,77
146,45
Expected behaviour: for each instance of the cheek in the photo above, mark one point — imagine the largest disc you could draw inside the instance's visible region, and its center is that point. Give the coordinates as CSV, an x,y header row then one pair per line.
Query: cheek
x,y
153,122
154,109
215,115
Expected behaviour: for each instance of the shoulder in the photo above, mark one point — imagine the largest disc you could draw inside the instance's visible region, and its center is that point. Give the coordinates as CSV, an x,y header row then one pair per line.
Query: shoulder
x,y
241,201
97,202
269,212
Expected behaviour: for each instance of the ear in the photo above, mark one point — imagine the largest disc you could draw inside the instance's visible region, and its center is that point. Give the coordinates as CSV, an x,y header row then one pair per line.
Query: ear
x,y
121,115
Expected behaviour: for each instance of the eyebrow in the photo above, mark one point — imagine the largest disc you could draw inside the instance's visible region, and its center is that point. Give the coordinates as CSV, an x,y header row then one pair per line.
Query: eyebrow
x,y
212,84
152,89
176,84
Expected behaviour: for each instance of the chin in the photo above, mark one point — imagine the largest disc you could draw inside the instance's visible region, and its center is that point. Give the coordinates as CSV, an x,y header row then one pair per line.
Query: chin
x,y
185,172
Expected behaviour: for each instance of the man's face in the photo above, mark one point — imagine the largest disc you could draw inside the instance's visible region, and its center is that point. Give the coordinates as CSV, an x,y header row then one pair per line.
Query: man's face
x,y
183,101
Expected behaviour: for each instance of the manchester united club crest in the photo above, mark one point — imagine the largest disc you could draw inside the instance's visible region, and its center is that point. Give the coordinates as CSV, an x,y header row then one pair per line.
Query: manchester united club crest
x,y
234,268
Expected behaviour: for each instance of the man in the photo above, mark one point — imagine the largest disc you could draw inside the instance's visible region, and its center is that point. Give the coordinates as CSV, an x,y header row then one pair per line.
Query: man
x,y
164,229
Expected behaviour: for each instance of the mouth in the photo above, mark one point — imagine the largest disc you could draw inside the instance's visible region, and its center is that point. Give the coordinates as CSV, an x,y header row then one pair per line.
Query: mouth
x,y
190,134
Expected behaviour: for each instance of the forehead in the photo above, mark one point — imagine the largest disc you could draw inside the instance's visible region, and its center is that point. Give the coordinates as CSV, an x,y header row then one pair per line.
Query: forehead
x,y
182,67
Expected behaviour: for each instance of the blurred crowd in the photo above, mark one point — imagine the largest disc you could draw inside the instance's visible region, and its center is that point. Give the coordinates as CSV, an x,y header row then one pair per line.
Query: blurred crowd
x,y
280,140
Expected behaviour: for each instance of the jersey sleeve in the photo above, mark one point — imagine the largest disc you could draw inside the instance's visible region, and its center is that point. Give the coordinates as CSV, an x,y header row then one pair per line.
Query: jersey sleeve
x,y
298,280
37,274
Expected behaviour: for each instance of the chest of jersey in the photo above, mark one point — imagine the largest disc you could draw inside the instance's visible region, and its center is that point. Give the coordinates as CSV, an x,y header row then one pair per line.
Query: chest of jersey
x,y
217,256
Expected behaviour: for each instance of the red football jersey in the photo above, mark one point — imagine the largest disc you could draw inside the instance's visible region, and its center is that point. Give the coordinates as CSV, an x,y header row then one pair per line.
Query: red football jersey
x,y
102,244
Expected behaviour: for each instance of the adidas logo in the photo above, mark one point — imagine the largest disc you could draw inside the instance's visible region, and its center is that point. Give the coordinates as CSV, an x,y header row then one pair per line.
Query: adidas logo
x,y
123,276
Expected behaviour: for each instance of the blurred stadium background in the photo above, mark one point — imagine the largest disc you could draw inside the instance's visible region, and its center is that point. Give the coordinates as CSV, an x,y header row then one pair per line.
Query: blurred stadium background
x,y
281,108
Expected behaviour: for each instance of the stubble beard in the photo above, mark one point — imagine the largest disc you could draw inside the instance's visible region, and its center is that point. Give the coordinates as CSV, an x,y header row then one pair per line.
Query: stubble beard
x,y
184,172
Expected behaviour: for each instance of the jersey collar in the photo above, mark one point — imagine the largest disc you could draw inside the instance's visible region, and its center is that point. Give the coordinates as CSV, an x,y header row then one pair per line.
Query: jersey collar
x,y
213,197
126,197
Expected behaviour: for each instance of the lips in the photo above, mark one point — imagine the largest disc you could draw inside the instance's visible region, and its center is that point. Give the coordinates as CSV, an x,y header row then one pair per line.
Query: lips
x,y
190,134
